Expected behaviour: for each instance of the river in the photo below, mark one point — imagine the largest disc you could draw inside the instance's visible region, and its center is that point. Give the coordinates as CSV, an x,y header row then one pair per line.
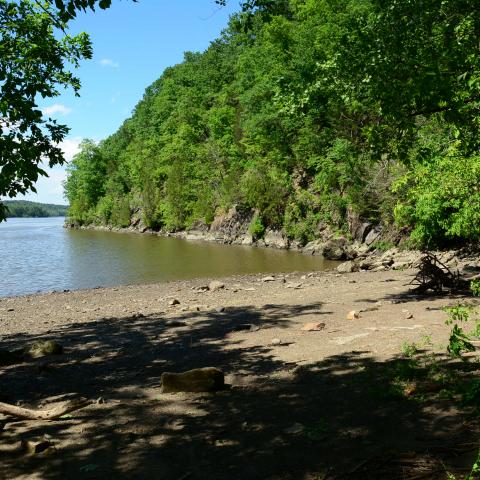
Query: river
x,y
39,255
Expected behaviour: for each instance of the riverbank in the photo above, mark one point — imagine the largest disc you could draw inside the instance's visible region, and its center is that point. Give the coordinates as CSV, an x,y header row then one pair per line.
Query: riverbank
x,y
301,404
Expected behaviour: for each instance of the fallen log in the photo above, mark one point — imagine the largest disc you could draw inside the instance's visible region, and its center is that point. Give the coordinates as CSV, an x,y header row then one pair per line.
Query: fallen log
x,y
48,414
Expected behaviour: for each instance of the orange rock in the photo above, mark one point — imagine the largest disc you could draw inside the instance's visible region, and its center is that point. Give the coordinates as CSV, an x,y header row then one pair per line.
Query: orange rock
x,y
353,315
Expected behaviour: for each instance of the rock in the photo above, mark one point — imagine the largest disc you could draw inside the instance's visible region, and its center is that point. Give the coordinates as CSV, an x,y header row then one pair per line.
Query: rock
x,y
268,279
215,285
471,267
35,446
202,288
295,429
10,309
247,239
362,231
276,239
174,301
232,225
42,349
373,235
400,265
220,309
294,285
275,341
366,264
334,249
313,248
347,267
313,327
353,315
208,379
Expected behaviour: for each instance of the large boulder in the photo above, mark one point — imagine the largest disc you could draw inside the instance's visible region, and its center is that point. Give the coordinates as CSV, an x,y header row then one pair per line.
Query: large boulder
x,y
335,249
208,379
373,235
348,267
276,239
313,248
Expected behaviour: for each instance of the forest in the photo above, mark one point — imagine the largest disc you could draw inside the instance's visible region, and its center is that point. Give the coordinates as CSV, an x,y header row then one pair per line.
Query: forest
x,y
306,112
24,208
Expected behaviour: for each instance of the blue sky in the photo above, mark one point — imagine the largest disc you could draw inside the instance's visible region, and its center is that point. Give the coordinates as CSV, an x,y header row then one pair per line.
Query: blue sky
x,y
133,43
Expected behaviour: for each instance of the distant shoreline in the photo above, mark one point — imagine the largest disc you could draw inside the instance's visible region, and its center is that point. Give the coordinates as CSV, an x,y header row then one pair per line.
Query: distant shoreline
x,y
27,209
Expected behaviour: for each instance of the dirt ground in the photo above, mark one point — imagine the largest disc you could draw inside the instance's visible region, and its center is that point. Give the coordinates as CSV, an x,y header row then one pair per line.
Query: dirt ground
x,y
300,404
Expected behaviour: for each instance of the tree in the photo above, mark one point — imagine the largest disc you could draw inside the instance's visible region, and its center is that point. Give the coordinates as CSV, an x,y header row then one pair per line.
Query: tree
x,y
34,49
32,66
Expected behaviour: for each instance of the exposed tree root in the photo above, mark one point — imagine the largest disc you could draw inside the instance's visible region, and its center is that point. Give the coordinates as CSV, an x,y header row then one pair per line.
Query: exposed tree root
x,y
49,414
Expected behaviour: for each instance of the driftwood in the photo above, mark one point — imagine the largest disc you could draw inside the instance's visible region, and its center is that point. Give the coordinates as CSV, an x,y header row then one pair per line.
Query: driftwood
x,y
49,414
435,275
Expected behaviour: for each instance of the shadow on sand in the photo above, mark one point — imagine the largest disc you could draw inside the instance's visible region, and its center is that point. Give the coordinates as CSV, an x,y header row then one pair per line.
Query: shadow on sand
x,y
329,420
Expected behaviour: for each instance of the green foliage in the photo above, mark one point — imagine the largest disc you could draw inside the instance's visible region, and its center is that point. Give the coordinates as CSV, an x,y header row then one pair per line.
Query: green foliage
x,y
302,216
442,199
409,349
459,342
34,52
304,111
23,208
257,229
475,287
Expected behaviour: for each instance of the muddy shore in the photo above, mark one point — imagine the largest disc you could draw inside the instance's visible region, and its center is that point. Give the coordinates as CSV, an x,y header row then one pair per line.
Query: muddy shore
x,y
299,403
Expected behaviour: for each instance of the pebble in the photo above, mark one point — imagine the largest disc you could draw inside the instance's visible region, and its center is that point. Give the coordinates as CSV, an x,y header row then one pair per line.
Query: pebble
x,y
353,315
174,301
215,285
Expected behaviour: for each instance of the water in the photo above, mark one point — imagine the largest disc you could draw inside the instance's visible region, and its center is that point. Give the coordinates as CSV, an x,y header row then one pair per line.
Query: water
x,y
38,254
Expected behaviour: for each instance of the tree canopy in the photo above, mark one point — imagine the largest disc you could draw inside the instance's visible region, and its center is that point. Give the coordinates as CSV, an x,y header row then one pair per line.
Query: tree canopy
x,y
36,53
309,112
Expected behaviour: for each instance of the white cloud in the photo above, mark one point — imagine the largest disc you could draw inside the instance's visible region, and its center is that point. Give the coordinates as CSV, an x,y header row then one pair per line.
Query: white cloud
x,y
56,108
107,62
70,147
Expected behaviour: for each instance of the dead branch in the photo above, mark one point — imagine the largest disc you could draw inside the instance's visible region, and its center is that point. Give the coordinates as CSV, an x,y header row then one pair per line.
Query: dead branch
x,y
435,275
49,414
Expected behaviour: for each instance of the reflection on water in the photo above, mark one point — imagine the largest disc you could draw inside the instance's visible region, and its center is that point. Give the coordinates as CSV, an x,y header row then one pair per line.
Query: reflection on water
x,y
40,255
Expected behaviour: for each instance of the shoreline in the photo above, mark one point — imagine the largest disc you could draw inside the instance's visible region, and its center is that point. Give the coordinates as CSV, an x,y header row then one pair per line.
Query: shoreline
x,y
194,295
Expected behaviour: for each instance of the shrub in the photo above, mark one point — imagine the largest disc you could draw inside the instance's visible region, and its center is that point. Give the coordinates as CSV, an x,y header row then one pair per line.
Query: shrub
x,y
441,200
